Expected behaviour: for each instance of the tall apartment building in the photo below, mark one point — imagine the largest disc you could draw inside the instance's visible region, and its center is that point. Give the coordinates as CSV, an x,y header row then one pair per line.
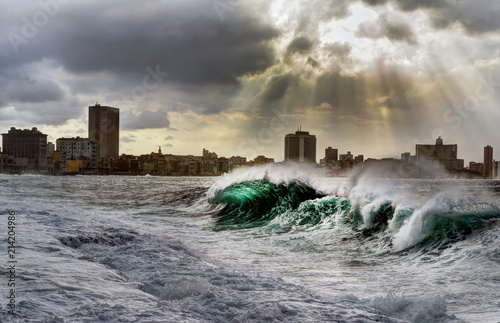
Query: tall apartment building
x,y
488,162
104,128
300,147
29,144
331,155
76,148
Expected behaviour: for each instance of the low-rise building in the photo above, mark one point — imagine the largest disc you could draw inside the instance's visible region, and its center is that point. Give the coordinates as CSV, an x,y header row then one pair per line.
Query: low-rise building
x,y
7,163
82,149
260,160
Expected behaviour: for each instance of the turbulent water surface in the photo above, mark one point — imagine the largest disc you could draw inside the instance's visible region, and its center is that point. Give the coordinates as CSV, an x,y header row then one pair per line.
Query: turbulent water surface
x,y
260,245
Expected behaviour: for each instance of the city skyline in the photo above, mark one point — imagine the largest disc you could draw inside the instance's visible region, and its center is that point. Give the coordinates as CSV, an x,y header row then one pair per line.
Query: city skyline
x,y
372,77
300,147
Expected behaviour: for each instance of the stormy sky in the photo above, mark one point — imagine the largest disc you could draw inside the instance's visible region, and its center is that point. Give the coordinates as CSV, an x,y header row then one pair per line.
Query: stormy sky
x,y
371,76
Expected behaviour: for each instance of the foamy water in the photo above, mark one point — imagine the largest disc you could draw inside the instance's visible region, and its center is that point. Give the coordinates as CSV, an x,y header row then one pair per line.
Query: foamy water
x,y
153,249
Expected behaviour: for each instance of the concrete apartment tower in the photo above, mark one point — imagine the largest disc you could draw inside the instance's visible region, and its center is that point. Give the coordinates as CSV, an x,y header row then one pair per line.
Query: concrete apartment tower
x,y
488,162
300,147
331,155
104,128
29,144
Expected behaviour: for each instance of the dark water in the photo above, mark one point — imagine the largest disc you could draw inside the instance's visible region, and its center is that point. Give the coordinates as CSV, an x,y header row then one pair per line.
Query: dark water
x,y
263,245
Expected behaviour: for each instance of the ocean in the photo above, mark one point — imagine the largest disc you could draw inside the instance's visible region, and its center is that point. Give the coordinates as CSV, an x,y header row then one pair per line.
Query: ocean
x,y
264,244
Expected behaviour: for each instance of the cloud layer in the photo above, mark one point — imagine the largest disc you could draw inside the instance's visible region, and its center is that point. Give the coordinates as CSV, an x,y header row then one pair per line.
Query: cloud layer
x,y
395,68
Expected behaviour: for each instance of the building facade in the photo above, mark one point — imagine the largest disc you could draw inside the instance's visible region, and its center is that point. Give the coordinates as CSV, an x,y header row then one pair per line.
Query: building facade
x,y
260,160
300,147
79,148
7,163
488,162
331,155
496,169
104,128
445,154
50,148
476,167
30,145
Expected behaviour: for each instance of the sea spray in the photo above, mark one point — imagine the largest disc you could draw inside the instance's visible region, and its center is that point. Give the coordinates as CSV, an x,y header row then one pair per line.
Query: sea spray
x,y
285,196
180,267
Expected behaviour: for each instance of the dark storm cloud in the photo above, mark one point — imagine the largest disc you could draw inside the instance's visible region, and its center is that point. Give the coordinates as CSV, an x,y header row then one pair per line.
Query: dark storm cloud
x,y
127,51
392,28
476,16
357,93
276,87
335,97
207,100
310,14
48,113
400,31
479,16
301,45
340,91
311,61
314,11
31,90
338,49
395,85
187,39
146,120
410,5
375,2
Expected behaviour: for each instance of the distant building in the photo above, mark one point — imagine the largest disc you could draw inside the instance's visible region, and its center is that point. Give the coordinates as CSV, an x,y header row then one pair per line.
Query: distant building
x,y
386,167
445,154
488,162
28,146
236,162
80,149
7,163
128,164
300,147
331,156
496,169
260,160
50,148
347,161
346,157
476,167
104,128
208,154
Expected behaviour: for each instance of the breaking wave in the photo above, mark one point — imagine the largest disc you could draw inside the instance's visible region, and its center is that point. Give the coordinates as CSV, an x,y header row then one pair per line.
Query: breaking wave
x,y
296,202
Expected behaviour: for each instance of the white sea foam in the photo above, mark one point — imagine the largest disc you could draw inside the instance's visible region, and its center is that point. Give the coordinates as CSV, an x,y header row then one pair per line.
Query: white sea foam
x,y
275,173
146,252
